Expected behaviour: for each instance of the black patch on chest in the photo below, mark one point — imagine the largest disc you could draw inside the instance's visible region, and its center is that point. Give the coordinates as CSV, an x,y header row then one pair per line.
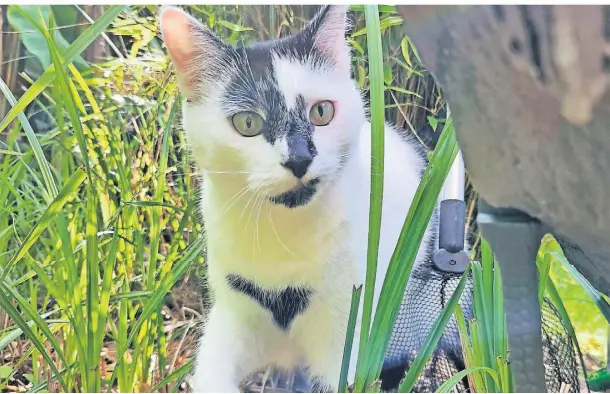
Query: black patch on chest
x,y
284,305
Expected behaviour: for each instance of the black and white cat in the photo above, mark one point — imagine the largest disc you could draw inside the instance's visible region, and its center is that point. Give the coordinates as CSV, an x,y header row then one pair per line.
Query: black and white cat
x,y
279,132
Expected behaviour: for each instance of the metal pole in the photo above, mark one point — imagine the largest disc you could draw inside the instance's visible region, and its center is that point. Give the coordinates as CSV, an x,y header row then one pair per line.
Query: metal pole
x,y
451,256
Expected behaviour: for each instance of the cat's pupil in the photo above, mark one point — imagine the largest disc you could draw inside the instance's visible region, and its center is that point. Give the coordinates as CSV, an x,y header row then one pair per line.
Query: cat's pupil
x,y
320,110
248,122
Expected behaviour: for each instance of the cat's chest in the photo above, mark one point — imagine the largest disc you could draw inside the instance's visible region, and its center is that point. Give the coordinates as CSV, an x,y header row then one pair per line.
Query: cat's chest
x,y
277,261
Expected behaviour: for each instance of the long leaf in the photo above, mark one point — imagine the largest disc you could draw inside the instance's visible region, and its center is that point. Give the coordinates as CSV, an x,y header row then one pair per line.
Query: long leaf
x,y
349,338
6,305
177,374
408,245
48,216
371,13
424,353
43,164
75,49
179,269
450,384
601,303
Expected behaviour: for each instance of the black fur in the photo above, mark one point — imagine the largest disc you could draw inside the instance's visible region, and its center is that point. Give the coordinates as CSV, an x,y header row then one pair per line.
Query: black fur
x,y
299,196
285,305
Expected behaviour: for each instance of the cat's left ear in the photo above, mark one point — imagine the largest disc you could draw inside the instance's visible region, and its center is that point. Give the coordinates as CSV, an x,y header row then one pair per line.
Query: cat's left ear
x,y
327,30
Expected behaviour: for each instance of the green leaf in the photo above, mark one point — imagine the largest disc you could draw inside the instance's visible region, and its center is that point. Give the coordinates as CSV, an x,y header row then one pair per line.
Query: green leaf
x,y
371,13
7,306
78,46
433,122
408,245
426,350
601,303
5,371
382,8
544,269
450,384
177,374
10,152
154,302
32,39
349,338
387,73
234,26
48,216
43,164
407,92
390,21
404,47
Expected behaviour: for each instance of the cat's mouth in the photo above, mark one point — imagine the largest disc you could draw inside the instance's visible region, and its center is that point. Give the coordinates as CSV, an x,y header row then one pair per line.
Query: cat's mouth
x,y
299,195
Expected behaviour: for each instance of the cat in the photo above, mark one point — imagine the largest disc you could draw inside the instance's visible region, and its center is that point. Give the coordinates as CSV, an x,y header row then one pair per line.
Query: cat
x,y
279,132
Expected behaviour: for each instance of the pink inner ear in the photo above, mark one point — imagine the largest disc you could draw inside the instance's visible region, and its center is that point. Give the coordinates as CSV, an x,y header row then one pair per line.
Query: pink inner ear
x,y
176,30
330,37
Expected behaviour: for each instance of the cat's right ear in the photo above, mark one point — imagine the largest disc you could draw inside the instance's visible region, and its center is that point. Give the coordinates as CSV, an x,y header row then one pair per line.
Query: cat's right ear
x,y
193,48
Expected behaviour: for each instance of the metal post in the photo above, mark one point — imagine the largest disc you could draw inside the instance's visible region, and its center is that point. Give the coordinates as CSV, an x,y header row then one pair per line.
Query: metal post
x,y
451,256
515,239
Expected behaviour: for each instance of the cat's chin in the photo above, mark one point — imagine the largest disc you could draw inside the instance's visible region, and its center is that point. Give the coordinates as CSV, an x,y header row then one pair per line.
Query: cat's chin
x,y
299,195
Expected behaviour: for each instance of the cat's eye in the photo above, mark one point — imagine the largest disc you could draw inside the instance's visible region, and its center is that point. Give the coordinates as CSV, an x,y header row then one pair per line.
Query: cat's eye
x,y
322,113
248,124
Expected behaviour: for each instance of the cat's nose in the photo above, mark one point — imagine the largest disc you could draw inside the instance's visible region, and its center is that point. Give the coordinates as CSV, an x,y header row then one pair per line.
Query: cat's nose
x,y
299,164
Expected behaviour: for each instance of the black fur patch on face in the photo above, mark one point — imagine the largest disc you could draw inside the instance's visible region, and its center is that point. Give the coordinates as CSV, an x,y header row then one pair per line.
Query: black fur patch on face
x,y
284,305
299,196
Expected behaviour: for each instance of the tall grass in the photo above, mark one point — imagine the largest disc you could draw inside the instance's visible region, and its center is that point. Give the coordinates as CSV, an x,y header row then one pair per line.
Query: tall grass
x,y
94,268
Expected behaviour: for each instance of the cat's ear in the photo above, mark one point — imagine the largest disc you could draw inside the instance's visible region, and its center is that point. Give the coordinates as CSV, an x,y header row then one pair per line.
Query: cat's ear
x,y
194,49
328,29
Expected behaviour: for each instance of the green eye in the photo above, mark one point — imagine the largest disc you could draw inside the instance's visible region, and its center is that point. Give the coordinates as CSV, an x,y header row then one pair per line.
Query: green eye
x,y
322,113
248,123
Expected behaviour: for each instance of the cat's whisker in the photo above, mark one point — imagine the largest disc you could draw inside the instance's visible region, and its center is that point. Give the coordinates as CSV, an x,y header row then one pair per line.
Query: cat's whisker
x,y
256,195
258,220
277,235
254,208
235,197
231,172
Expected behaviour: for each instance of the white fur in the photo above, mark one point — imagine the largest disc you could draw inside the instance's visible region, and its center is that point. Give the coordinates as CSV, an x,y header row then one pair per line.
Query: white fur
x,y
321,245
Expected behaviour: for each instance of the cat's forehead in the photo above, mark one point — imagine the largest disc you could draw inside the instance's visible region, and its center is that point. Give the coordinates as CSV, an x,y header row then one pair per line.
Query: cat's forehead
x,y
269,73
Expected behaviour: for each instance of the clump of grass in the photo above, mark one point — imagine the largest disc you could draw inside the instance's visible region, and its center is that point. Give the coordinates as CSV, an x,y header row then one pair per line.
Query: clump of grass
x,y
97,260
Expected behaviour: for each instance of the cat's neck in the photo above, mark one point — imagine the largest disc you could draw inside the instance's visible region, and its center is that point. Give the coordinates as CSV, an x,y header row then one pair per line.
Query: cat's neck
x,y
253,230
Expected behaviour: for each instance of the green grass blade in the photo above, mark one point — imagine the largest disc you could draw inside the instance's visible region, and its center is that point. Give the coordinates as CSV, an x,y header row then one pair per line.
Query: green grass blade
x,y
475,380
6,305
544,269
408,245
483,314
371,13
565,318
178,270
73,51
43,164
499,318
349,338
450,384
177,374
49,215
424,353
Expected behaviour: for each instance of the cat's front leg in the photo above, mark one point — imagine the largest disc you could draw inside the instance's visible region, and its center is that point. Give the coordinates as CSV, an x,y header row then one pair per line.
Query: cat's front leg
x,y
225,353
321,334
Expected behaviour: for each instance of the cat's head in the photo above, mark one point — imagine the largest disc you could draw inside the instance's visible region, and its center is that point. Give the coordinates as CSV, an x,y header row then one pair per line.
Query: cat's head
x,y
282,113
